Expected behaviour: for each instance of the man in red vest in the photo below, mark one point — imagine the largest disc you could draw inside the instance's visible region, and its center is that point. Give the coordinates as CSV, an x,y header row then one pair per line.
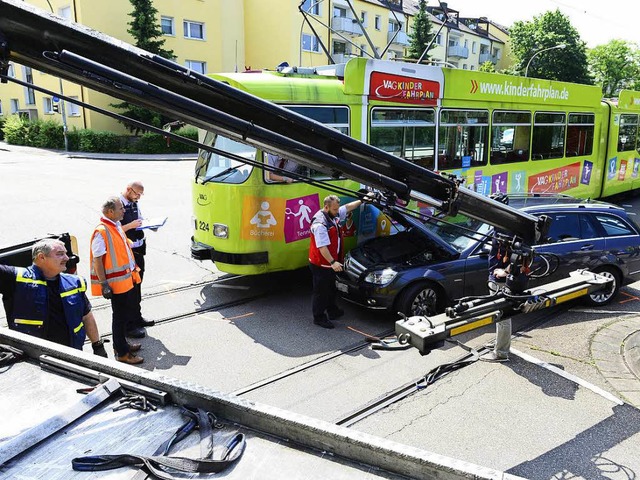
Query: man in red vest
x,y
325,258
114,275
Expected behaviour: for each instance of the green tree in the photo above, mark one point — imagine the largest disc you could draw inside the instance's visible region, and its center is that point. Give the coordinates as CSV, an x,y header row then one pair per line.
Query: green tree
x,y
421,36
615,65
145,29
487,66
546,31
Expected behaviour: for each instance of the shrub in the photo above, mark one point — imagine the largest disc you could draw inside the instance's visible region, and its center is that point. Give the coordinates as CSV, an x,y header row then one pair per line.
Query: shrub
x,y
96,141
2,120
16,130
49,135
155,143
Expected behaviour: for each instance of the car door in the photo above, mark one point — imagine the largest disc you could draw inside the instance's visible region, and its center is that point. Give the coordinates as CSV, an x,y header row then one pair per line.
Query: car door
x,y
622,242
573,242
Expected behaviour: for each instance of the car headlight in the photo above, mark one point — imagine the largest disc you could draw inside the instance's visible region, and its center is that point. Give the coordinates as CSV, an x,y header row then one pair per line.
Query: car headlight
x,y
381,277
220,230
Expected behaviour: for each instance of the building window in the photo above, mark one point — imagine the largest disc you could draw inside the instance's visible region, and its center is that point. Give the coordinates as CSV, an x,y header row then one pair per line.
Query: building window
x,y
464,66
339,12
310,43
438,39
466,43
193,30
473,47
65,12
47,105
199,67
473,67
378,22
15,105
363,18
166,25
311,6
11,72
30,96
1,112
73,110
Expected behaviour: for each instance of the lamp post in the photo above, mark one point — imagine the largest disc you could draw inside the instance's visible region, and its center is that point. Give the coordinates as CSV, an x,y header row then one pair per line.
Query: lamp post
x,y
62,105
526,70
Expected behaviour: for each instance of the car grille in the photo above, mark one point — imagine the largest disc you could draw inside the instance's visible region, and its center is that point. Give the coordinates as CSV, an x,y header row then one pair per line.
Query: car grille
x,y
353,268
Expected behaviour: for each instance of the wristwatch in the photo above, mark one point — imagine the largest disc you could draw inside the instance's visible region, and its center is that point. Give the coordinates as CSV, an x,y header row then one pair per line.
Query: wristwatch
x,y
333,261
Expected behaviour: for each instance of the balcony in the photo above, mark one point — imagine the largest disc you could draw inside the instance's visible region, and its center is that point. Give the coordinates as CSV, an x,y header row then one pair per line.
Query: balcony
x,y
346,25
456,51
487,57
400,39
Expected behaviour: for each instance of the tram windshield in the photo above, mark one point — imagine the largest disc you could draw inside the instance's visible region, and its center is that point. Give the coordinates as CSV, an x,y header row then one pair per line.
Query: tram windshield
x,y
212,167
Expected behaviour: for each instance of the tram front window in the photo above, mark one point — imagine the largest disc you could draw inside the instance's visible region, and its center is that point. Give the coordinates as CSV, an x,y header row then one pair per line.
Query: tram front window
x,y
212,167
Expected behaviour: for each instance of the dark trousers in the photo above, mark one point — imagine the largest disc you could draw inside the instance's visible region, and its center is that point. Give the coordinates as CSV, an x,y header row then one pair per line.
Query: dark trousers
x,y
138,255
324,291
123,308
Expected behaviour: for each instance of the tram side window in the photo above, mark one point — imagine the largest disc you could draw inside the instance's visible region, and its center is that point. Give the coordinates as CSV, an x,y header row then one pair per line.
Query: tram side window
x,y
627,133
218,168
406,133
580,130
463,139
336,117
548,136
510,137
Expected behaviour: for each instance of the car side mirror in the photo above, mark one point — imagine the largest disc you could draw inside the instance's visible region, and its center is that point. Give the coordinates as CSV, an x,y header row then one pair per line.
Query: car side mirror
x,y
485,250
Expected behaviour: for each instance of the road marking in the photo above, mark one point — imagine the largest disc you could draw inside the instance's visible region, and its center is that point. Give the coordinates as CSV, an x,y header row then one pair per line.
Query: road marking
x,y
595,310
239,316
629,299
568,376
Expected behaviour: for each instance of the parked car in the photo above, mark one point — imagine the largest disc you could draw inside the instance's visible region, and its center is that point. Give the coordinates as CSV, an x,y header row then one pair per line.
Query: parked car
x,y
427,265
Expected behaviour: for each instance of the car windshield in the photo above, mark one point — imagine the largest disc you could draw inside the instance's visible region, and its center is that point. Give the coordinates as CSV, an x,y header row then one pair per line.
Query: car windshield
x,y
459,231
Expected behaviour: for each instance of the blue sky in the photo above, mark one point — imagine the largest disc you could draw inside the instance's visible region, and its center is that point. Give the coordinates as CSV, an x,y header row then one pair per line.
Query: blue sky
x,y
598,22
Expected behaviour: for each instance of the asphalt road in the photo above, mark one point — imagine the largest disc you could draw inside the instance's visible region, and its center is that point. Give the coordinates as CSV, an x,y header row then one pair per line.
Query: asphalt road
x,y
563,407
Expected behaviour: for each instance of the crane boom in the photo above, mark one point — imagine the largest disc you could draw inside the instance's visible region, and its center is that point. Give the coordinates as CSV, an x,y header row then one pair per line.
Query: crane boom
x,y
48,43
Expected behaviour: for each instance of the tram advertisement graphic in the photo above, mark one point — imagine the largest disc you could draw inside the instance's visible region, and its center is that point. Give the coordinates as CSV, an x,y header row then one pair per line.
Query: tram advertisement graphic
x,y
297,217
623,170
636,167
263,218
556,180
587,168
398,88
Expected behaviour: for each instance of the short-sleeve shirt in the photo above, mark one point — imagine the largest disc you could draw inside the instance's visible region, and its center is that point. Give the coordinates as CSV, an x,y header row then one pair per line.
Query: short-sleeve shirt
x,y
283,164
320,233
55,327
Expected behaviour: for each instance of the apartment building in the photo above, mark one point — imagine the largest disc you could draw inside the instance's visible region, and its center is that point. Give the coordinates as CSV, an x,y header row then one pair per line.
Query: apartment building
x,y
236,35
205,35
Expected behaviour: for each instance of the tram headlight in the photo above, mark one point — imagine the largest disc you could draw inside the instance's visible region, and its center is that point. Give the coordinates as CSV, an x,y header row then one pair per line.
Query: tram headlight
x,y
382,277
220,230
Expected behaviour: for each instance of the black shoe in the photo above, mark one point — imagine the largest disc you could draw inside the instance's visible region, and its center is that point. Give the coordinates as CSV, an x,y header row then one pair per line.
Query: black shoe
x,y
136,333
145,323
323,322
335,314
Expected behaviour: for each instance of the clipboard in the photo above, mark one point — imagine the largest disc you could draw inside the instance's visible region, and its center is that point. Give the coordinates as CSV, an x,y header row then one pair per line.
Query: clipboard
x,y
154,223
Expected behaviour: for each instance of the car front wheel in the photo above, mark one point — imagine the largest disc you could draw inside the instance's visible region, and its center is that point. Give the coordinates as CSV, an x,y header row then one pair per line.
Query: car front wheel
x,y
420,299
607,294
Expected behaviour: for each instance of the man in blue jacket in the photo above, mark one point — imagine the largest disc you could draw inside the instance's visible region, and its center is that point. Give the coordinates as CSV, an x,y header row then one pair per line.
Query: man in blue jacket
x,y
42,301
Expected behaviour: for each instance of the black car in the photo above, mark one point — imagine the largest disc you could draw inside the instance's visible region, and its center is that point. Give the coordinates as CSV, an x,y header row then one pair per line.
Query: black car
x,y
427,265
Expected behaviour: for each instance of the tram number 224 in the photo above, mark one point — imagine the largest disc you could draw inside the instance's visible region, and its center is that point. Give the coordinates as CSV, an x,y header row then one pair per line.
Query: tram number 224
x,y
200,225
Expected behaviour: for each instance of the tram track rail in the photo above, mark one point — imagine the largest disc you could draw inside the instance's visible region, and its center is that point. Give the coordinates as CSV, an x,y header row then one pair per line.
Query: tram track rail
x,y
421,383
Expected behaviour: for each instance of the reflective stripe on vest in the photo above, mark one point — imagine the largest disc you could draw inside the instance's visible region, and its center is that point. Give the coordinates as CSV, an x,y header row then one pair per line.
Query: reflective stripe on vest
x,y
78,328
24,321
21,278
80,289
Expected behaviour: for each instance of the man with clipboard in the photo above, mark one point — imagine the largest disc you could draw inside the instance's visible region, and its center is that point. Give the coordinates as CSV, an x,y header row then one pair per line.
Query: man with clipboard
x,y
131,224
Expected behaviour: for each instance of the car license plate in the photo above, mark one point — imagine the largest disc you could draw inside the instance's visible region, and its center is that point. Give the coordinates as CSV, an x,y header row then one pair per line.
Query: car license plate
x,y
342,287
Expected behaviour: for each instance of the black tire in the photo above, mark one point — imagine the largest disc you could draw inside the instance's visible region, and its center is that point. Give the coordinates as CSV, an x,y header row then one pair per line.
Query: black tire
x,y
421,299
605,296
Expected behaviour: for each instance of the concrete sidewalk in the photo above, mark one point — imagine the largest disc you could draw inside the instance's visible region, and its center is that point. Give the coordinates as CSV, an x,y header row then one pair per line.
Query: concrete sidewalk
x,y
101,156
